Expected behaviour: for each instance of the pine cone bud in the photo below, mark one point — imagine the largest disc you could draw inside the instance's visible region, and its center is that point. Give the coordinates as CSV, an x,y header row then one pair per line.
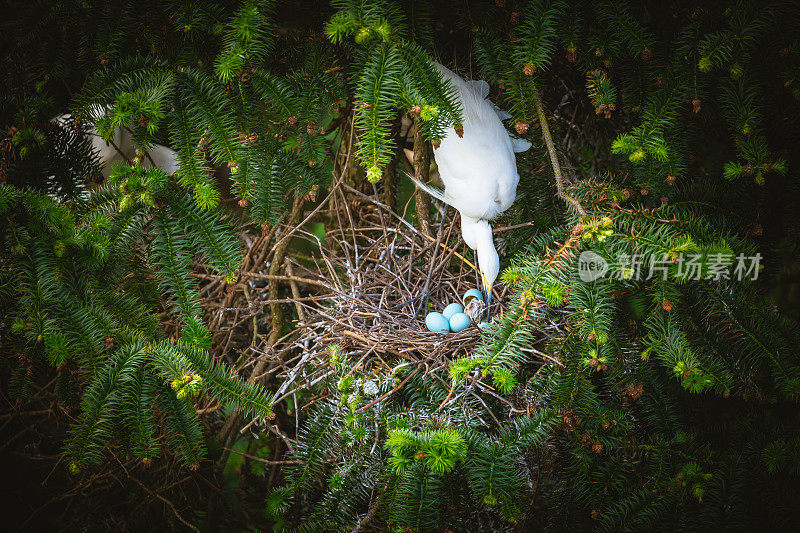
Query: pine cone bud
x,y
671,179
374,174
598,52
593,362
501,83
666,305
646,54
528,69
696,105
634,391
591,336
664,200
604,109
500,3
521,127
436,144
292,120
243,202
311,195
416,110
644,191
571,54
526,298
460,131
311,128
597,447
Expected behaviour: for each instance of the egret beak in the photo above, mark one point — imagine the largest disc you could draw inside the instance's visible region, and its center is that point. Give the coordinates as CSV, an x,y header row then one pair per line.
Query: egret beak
x,y
487,292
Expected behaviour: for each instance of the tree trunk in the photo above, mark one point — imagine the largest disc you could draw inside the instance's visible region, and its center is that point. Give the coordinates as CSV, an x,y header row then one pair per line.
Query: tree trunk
x,y
422,164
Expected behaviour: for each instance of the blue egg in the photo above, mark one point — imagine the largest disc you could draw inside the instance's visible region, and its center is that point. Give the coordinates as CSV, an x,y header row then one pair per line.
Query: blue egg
x,y
472,293
437,323
458,322
452,309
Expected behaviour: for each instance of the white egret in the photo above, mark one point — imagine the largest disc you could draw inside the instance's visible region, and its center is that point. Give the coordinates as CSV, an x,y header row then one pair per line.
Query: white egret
x,y
122,148
479,171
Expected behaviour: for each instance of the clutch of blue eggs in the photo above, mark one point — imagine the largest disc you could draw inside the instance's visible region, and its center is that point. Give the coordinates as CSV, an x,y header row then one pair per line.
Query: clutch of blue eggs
x,y
452,318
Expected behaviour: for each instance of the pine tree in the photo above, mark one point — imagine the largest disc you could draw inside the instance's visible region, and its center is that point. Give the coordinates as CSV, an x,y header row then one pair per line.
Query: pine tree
x,y
642,369
660,395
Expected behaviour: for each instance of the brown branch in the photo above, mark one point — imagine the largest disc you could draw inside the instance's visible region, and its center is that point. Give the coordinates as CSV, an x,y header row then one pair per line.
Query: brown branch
x,y
277,317
169,503
278,253
292,279
295,291
373,510
551,149
265,461
407,224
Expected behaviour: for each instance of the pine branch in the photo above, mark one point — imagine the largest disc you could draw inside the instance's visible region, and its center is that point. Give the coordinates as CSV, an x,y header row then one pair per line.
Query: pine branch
x,y
548,141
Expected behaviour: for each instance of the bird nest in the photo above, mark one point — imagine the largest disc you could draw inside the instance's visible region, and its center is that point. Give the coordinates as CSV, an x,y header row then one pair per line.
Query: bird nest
x,y
381,273
360,285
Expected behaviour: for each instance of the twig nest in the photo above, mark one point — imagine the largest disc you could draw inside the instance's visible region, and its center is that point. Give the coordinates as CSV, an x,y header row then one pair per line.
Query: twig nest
x,y
437,323
451,310
472,293
459,322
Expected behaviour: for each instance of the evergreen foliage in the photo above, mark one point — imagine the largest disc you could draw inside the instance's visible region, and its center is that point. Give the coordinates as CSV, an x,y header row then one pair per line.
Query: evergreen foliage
x,y
658,397
629,407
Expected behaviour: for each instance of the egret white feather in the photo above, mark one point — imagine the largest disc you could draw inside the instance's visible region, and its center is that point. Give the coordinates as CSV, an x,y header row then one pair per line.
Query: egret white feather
x,y
121,146
478,169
